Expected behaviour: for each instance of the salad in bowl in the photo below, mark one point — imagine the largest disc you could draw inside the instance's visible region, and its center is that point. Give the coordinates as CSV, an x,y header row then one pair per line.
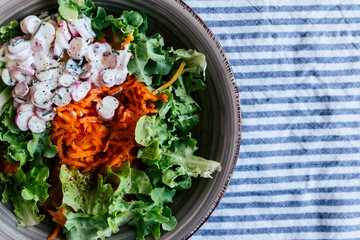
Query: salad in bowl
x,y
96,120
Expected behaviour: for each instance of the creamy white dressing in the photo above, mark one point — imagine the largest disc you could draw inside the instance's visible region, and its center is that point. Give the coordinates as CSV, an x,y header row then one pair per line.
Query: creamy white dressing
x,y
43,79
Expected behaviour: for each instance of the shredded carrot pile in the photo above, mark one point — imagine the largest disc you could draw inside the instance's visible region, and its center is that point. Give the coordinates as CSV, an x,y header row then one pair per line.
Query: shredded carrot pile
x,y
89,143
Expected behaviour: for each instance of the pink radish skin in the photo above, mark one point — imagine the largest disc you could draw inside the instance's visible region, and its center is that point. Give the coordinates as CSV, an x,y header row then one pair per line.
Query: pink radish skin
x,y
65,30
72,29
22,119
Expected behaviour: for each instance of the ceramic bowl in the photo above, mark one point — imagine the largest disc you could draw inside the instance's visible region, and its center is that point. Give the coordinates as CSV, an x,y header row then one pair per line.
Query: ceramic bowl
x,y
218,134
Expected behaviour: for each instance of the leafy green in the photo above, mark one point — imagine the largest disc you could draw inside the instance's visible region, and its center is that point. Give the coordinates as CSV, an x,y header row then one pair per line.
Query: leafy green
x,y
69,9
177,161
80,226
41,144
83,194
162,195
149,59
129,21
9,31
99,210
24,191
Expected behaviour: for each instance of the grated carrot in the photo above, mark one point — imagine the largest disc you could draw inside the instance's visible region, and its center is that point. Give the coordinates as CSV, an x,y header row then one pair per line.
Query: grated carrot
x,y
55,233
87,142
127,40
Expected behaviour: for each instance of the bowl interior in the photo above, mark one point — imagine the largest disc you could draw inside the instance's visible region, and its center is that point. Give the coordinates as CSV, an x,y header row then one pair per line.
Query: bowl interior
x,y
218,134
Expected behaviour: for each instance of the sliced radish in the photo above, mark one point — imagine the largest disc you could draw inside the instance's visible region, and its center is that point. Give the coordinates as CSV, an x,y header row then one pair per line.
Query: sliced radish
x,y
36,124
109,77
29,24
121,77
66,80
16,105
106,107
46,32
72,29
82,90
6,77
111,61
11,64
41,61
62,97
22,119
65,30
77,49
26,107
124,58
95,53
42,97
21,89
47,114
48,73
18,76
17,46
104,113
61,38
83,27
26,70
110,102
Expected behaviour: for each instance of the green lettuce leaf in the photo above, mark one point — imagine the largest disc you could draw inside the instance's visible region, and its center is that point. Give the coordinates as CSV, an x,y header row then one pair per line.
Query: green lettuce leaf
x,y
24,191
100,211
81,226
149,59
9,31
83,194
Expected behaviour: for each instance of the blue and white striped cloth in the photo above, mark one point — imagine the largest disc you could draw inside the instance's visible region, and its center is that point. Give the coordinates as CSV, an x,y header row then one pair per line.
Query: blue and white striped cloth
x,y
297,66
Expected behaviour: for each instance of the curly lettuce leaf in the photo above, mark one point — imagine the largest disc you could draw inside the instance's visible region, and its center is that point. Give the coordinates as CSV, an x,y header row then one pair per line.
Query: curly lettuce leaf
x,y
130,181
149,59
69,9
176,162
81,226
41,144
9,31
24,191
83,194
129,21
148,218
100,211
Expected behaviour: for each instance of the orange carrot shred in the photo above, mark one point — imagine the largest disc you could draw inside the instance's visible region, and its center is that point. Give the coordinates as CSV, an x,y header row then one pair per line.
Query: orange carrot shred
x,y
55,233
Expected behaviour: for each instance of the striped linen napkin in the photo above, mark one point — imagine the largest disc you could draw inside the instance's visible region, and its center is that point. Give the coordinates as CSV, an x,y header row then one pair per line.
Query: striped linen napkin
x,y
297,66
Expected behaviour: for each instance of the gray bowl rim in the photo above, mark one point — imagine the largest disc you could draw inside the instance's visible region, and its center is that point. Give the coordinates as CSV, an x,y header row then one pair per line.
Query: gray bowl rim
x,y
231,78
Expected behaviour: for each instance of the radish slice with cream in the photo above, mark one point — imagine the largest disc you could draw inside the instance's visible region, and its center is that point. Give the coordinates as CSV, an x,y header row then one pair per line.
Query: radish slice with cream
x,y
62,97
21,89
36,124
29,24
6,77
106,107
22,119
77,49
47,114
45,31
26,107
